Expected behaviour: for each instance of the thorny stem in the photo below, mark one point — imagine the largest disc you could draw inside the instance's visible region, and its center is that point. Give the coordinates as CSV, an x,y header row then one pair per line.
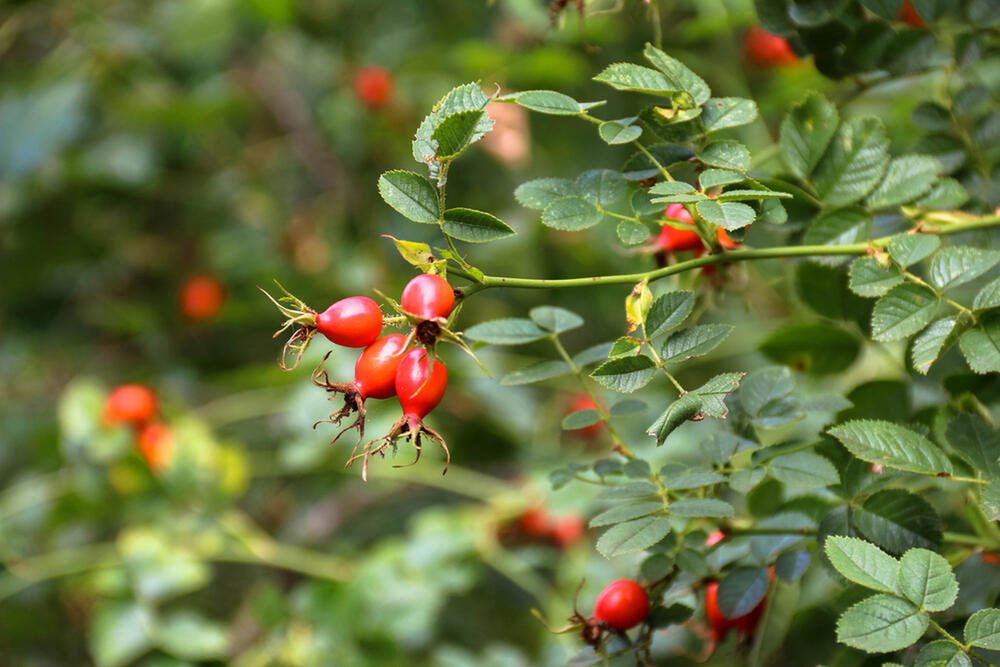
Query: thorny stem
x,y
723,258
620,445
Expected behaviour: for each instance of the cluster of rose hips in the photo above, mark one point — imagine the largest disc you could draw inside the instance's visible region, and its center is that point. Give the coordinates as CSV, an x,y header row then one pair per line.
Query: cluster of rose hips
x,y
537,525
389,365
135,406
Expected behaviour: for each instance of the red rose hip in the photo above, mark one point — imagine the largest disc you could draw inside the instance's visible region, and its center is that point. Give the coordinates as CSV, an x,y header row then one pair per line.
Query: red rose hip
x,y
133,404
762,49
201,298
419,387
352,322
373,86
375,371
428,297
622,605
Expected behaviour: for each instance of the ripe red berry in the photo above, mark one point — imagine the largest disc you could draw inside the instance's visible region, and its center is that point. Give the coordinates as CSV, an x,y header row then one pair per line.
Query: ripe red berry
x,y
718,625
373,86
908,14
418,387
155,445
133,404
375,371
352,322
724,239
585,402
536,522
428,297
762,49
622,605
567,530
201,298
672,239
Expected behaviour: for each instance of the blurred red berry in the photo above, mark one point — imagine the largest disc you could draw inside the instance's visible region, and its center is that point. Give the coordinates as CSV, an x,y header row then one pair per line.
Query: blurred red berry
x,y
714,538
201,298
990,557
155,445
672,239
536,522
762,49
908,14
133,404
373,86
568,530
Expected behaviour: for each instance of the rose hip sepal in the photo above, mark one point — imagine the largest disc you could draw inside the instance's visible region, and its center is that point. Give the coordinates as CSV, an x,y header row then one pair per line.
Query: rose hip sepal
x,y
374,377
420,384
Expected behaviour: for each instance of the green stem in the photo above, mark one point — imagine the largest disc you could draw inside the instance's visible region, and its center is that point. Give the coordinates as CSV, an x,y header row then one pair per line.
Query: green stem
x,y
659,362
973,540
962,647
779,252
620,445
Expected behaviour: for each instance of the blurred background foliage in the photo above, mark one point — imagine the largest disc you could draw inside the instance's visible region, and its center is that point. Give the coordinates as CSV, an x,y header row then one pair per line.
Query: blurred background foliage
x,y
143,143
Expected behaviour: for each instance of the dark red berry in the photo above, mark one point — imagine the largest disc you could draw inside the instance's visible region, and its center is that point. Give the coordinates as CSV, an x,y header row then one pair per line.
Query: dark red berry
x,y
622,605
375,371
352,322
762,49
418,387
428,297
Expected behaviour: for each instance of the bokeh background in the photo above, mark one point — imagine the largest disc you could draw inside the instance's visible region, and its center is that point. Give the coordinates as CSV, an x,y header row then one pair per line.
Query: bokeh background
x,y
146,143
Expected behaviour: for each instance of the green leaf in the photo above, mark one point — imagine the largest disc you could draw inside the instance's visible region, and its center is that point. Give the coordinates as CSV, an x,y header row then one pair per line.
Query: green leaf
x,y
625,374
466,224
806,132
691,479
791,565
868,278
119,633
815,348
927,580
983,629
838,227
988,296
620,513
885,9
541,192
989,500
764,386
863,563
729,215
701,507
536,372
667,312
957,265
707,400
554,319
947,194
891,445
580,419
854,164
639,166
545,101
410,194
942,653
907,178
803,470
742,590
678,75
506,331
904,311
934,341
694,341
633,536
711,178
908,249
468,97
726,155
626,76
671,188
723,112
190,636
981,347
976,442
616,132
626,490
881,624
898,520
742,195
627,407
770,635
571,214
602,186
455,132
